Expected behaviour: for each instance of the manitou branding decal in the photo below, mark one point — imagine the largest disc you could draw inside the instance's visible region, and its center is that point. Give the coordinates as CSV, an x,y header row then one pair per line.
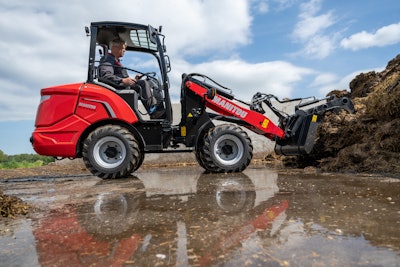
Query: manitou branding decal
x,y
230,107
89,106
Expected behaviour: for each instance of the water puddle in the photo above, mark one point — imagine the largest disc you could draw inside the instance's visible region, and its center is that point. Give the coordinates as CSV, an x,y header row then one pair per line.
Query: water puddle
x,y
183,217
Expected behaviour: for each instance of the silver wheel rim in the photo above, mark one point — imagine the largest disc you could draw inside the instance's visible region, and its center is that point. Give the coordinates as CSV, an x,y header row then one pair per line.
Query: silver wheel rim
x,y
228,149
109,152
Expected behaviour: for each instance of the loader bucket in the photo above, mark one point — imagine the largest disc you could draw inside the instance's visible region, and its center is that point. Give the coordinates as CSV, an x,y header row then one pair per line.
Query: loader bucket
x,y
301,128
302,142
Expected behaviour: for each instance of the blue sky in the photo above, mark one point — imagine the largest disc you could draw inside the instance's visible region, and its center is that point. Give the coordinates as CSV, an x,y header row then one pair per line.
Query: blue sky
x,y
290,48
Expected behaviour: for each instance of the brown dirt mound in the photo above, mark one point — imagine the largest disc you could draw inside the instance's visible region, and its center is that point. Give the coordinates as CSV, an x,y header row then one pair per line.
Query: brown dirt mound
x,y
12,206
368,141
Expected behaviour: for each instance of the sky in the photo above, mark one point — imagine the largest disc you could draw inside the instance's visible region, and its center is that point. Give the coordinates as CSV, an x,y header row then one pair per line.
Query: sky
x,y
289,48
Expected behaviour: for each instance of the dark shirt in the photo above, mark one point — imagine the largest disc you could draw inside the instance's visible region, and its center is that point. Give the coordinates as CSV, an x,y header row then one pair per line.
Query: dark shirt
x,y
112,72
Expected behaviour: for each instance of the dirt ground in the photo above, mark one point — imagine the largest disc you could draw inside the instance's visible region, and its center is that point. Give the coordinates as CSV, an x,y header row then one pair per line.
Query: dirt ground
x,y
261,217
51,169
11,206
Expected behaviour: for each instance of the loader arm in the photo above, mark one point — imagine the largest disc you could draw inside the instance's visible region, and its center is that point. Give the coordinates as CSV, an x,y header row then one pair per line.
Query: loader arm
x,y
295,133
223,104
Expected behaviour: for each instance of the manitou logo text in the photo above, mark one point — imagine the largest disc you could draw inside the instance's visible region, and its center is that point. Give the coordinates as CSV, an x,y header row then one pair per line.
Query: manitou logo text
x,y
89,106
230,107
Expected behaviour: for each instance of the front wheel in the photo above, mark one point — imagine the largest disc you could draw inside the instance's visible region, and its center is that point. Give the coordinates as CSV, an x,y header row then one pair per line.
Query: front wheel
x,y
111,151
227,148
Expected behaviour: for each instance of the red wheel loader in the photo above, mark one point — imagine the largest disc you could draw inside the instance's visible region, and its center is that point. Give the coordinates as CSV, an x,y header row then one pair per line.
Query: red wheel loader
x,y
109,129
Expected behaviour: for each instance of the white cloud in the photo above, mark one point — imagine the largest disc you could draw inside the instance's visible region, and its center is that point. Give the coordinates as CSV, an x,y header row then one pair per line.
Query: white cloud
x,y
319,46
311,31
326,82
324,78
310,26
265,6
245,79
387,35
335,83
43,44
18,102
262,7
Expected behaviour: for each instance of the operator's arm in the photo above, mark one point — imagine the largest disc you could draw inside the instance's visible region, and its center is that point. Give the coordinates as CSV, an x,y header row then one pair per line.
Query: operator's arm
x,y
106,74
118,79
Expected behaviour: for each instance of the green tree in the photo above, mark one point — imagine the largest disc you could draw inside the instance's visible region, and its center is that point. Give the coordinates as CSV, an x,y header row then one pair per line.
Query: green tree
x,y
3,157
23,161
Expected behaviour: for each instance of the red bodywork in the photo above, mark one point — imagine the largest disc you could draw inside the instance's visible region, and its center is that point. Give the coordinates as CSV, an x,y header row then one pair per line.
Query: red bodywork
x,y
67,114
259,123
66,111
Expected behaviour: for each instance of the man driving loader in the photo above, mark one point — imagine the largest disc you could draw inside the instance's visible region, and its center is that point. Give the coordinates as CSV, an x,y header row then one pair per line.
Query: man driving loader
x,y
112,72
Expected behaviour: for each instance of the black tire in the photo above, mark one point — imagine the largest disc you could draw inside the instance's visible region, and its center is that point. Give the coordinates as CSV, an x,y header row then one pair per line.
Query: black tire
x,y
227,148
140,160
111,151
200,151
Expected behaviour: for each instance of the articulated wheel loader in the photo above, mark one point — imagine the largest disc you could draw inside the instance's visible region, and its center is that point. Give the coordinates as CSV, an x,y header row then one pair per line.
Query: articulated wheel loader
x,y
107,127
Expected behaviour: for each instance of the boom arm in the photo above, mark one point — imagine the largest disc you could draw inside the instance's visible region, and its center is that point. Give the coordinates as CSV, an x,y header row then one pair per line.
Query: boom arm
x,y
295,134
221,104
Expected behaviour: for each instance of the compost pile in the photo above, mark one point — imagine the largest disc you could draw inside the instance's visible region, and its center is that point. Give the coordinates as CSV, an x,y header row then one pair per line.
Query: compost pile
x,y
11,206
368,141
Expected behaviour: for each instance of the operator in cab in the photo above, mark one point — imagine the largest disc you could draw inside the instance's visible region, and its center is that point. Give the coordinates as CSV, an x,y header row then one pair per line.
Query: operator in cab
x,y
113,73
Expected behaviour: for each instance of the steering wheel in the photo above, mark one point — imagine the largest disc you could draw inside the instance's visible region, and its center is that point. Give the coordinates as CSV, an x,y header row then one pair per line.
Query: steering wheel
x,y
150,75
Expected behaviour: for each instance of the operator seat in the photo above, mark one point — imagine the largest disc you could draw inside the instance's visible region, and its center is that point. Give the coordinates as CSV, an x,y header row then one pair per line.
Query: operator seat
x,y
130,96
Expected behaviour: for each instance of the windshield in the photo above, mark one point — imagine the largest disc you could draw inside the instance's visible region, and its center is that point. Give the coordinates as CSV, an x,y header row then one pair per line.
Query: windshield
x,y
140,38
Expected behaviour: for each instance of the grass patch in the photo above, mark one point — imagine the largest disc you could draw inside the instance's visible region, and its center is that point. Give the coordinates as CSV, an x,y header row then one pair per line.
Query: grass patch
x,y
23,161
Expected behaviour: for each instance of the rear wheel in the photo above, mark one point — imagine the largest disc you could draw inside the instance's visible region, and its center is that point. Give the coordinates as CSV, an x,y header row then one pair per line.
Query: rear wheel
x,y
111,151
227,148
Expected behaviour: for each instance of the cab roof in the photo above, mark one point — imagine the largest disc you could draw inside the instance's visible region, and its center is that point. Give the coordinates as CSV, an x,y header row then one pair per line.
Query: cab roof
x,y
136,36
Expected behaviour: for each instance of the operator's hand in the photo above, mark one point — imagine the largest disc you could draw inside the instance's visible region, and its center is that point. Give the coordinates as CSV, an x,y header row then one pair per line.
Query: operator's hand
x,y
129,81
138,76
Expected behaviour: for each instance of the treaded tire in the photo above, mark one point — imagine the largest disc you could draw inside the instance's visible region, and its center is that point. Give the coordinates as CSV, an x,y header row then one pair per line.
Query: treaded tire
x,y
227,148
111,151
199,153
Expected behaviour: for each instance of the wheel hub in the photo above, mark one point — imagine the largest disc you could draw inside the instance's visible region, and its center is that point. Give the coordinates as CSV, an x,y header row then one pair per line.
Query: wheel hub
x,y
227,149
111,152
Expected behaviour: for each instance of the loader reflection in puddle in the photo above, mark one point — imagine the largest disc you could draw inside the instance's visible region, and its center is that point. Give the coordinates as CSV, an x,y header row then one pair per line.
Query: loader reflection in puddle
x,y
202,222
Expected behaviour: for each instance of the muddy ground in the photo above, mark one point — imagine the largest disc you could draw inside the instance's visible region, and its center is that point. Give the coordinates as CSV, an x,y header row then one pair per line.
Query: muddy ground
x,y
11,206
181,216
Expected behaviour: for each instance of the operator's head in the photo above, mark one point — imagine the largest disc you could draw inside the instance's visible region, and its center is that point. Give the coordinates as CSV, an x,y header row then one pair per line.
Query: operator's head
x,y
117,47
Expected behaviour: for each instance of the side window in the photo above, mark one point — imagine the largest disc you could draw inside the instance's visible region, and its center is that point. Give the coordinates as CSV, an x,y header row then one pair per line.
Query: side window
x,y
138,62
145,63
